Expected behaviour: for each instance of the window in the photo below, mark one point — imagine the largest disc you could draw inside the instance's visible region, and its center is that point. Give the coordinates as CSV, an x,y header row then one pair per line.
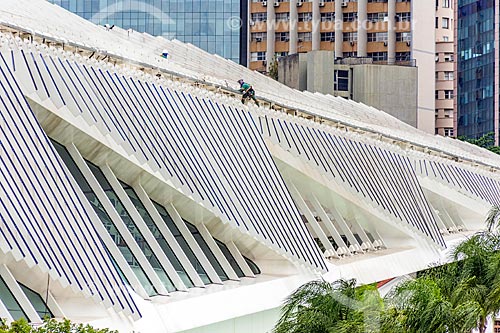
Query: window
x,y
446,23
446,3
37,301
349,17
403,56
350,36
10,302
436,94
403,17
448,94
446,38
305,17
328,36
105,219
282,36
282,17
403,36
155,231
378,56
280,54
341,80
131,226
377,37
257,56
448,57
377,17
259,17
448,76
304,36
349,54
448,131
234,265
258,36
206,250
182,243
327,17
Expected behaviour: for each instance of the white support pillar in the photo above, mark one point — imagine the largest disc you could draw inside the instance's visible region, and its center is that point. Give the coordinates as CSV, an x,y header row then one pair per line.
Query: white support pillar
x,y
304,209
293,27
316,24
193,244
362,33
239,259
391,32
226,266
339,27
348,233
19,295
367,244
343,248
271,33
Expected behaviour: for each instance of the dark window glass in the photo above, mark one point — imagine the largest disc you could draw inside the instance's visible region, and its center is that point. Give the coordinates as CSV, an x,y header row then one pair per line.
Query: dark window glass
x,y
105,219
255,269
157,234
10,302
230,258
125,216
183,243
206,250
38,303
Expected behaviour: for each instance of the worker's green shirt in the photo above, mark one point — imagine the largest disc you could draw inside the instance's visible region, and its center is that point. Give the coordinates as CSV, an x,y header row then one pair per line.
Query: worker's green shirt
x,y
245,86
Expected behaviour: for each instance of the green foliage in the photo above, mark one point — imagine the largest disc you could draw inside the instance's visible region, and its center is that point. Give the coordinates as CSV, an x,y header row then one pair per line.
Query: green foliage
x,y
49,326
273,68
487,141
453,298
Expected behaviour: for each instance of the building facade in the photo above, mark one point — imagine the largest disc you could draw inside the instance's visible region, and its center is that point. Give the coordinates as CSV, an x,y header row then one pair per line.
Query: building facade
x,y
216,26
445,71
477,68
382,30
139,194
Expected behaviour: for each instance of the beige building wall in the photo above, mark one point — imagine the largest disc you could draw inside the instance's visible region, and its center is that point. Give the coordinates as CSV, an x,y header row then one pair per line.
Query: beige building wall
x,y
444,67
382,31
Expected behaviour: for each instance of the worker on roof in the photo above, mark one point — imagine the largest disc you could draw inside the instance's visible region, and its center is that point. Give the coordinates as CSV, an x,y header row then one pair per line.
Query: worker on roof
x,y
247,91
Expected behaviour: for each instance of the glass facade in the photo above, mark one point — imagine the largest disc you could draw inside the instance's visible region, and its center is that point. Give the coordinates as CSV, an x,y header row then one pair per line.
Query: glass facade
x,y
213,25
106,220
476,68
10,302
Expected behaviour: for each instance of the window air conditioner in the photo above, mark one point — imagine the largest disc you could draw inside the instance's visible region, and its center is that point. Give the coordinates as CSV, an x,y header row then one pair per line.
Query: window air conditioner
x,y
385,43
299,40
322,4
264,3
332,39
258,39
252,23
344,4
286,39
408,43
299,3
276,4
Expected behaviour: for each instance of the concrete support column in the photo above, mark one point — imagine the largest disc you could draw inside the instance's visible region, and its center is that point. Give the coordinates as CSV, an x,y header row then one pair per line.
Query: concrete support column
x,y
362,21
293,27
271,33
316,23
339,27
391,32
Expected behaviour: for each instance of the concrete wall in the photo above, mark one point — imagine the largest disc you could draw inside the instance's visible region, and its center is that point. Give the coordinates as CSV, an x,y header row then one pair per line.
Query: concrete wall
x,y
292,71
320,71
392,89
424,51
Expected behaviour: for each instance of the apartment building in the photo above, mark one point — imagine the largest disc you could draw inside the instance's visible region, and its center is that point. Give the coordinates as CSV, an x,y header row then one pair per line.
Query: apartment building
x,y
380,29
444,67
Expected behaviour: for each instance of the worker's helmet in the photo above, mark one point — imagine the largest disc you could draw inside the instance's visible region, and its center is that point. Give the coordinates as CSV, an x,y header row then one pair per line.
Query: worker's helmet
x,y
240,81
